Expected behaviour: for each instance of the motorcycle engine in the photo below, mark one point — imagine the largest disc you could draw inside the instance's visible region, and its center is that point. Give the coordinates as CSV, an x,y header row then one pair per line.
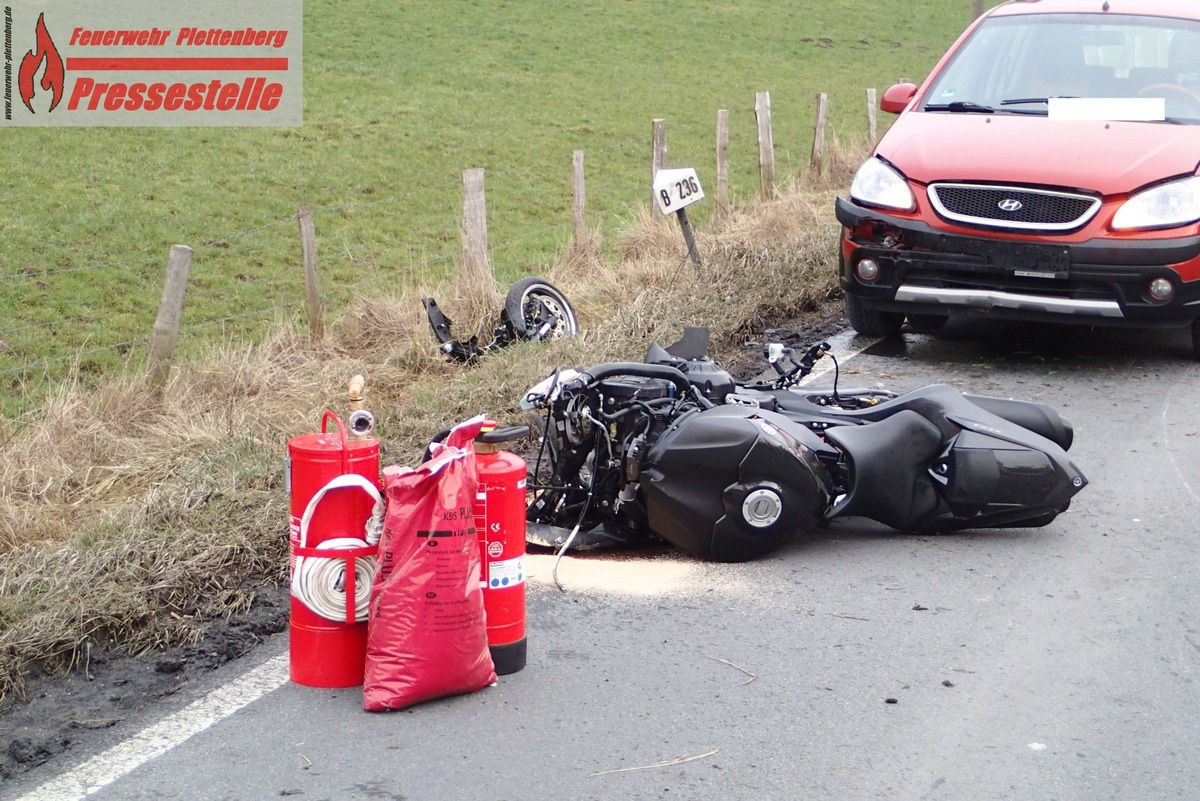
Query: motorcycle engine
x,y
626,401
599,437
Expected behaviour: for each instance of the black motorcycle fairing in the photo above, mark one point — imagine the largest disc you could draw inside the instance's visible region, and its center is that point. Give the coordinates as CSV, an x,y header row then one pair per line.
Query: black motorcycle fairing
x,y
600,536
991,480
1000,476
1039,418
889,477
991,472
733,483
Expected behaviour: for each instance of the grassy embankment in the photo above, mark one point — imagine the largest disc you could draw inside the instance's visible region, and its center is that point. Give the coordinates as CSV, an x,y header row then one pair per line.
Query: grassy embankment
x,y
132,521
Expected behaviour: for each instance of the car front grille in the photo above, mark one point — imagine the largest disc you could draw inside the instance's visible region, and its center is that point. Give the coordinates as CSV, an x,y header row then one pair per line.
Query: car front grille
x,y
1013,207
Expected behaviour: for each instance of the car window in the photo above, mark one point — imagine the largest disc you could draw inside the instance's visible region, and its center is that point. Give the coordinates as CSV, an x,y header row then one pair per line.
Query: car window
x,y
1014,64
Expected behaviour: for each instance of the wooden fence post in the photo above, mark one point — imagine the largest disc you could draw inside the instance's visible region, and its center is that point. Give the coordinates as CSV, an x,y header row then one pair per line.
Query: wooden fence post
x,y
577,200
815,164
722,209
659,158
477,270
766,145
872,117
170,312
312,290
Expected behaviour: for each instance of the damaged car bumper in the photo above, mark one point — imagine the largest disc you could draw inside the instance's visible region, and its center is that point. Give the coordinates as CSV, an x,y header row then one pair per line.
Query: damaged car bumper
x,y
920,270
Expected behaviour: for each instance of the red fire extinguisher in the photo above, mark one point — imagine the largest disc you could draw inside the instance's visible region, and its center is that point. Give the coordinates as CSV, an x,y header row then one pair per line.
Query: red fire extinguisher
x,y
336,518
500,523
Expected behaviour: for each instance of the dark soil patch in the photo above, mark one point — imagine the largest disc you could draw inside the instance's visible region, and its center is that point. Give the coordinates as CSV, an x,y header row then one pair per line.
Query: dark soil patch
x,y
800,333
62,713
58,713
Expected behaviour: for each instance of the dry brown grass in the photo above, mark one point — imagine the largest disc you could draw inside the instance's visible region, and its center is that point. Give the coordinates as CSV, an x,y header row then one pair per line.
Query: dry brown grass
x,y
130,521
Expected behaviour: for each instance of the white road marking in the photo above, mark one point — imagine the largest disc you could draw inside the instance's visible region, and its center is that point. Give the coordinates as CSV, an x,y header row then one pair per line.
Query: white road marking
x,y
1168,404
122,759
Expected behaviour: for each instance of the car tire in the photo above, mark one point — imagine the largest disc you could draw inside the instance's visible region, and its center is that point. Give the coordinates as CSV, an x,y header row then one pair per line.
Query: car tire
x,y
872,322
1196,338
927,323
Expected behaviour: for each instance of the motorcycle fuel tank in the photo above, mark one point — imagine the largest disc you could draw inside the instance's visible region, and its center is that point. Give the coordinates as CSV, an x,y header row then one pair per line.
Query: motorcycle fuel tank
x,y
732,483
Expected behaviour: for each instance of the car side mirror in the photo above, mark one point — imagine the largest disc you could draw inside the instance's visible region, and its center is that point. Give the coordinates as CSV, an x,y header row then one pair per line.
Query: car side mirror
x,y
896,98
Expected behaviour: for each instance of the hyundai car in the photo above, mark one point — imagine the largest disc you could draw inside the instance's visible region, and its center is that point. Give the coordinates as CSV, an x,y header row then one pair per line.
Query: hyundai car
x,y
1045,171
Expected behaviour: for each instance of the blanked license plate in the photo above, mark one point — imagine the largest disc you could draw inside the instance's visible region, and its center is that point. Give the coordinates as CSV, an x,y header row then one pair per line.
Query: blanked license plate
x,y
1031,261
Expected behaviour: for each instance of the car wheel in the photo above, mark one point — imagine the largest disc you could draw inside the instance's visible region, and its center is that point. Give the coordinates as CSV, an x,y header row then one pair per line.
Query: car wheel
x,y
872,322
927,323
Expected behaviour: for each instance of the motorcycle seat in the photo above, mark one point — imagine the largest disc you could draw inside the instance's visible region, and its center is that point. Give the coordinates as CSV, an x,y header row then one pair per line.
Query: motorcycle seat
x,y
889,469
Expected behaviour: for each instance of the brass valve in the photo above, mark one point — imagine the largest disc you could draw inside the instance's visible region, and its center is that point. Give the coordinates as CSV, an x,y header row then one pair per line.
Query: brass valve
x,y
356,392
360,421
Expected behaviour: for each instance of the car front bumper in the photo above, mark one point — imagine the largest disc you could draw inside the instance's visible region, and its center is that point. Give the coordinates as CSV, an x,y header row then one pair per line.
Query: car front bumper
x,y
925,271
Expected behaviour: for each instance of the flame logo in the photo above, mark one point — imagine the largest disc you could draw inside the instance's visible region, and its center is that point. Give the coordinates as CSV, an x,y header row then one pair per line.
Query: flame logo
x,y
52,76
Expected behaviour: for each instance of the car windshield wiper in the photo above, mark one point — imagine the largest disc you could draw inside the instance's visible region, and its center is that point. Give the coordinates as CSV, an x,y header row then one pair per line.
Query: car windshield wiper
x,y
1018,101
960,106
1044,101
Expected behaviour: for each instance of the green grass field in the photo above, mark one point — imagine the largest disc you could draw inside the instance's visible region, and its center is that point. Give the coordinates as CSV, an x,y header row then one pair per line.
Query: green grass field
x,y
399,99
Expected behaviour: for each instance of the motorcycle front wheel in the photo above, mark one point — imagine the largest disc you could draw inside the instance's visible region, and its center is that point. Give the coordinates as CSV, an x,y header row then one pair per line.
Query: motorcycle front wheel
x,y
539,310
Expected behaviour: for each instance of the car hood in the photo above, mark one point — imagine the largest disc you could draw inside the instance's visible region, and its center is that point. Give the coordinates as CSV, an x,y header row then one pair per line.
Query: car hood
x,y
1106,157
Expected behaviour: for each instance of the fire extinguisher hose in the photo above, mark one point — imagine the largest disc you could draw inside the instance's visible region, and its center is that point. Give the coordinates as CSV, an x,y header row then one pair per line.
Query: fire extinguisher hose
x,y
320,581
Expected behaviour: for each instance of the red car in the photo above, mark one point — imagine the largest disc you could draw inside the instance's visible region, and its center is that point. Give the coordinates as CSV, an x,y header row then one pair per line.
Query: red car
x,y
1046,170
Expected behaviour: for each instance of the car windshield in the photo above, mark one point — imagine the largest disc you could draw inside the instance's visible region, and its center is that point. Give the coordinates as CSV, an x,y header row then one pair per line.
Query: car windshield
x,y
1022,64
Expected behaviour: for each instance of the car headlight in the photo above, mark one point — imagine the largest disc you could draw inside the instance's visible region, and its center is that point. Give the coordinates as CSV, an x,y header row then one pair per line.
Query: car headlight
x,y
877,184
1163,206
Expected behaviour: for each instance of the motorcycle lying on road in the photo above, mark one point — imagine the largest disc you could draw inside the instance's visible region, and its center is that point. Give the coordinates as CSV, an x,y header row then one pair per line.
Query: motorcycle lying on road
x,y
672,449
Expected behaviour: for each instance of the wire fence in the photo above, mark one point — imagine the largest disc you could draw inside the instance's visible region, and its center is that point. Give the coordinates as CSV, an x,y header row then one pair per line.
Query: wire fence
x,y
246,278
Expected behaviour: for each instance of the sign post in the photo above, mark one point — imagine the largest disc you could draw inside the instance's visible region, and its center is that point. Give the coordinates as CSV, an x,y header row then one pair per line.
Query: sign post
x,y
674,191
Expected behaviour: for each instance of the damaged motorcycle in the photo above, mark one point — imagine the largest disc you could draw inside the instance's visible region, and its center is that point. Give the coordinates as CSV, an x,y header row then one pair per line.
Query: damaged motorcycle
x,y
534,310
673,449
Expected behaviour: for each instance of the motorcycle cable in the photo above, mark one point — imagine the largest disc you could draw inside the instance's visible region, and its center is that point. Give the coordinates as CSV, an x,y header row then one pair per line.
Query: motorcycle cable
x,y
836,376
536,484
601,431
537,464
645,407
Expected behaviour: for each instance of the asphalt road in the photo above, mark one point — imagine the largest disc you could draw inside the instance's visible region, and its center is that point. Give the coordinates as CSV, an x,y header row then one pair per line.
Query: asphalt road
x,y
1055,663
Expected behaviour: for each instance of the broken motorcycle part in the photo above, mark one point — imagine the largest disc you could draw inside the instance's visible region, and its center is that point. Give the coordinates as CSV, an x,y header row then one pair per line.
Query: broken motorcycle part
x,y
534,310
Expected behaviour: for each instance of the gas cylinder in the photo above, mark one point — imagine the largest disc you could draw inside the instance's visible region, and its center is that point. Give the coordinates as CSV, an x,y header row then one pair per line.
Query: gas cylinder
x,y
500,523
333,483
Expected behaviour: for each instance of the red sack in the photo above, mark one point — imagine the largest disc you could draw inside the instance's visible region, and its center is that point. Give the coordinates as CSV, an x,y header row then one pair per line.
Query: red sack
x,y
426,631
